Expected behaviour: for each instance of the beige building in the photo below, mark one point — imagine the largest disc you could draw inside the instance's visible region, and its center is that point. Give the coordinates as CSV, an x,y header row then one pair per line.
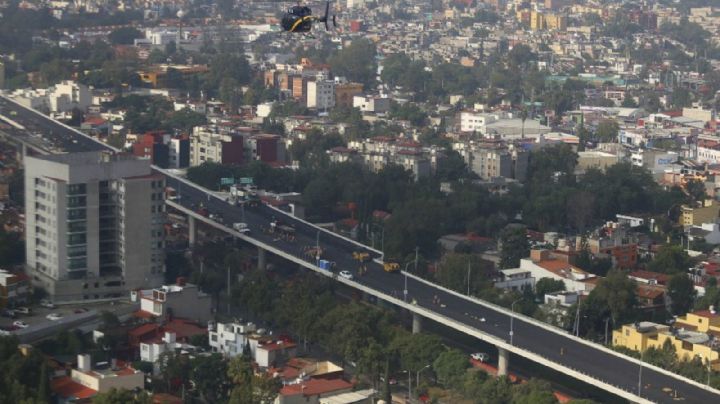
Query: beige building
x,y
94,224
594,159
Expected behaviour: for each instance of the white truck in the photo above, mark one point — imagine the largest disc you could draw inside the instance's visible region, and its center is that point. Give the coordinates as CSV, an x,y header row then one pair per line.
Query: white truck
x,y
241,227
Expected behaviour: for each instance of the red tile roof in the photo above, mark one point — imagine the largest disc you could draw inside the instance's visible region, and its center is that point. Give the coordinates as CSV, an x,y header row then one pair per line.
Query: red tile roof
x,y
67,388
143,330
184,328
315,387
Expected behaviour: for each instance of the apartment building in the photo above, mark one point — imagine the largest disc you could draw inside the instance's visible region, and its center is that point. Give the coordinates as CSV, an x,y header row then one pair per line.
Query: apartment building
x,y
213,144
493,159
94,224
320,94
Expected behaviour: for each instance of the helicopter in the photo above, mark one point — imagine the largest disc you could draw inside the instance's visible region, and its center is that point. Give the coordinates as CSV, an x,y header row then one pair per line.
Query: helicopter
x,y
299,19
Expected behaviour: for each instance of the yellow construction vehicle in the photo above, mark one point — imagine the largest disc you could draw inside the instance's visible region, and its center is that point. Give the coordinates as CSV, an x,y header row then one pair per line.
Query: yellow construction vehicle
x,y
391,266
361,256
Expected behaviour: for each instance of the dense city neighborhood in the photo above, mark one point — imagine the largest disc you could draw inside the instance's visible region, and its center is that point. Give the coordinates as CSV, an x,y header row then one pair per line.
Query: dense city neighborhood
x,y
359,201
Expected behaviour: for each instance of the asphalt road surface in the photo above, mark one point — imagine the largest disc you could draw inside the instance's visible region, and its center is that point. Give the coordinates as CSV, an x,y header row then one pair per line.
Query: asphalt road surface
x,y
556,347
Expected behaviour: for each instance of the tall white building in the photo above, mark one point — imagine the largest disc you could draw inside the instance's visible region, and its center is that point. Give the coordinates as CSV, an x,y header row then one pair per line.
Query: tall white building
x,y
320,94
94,224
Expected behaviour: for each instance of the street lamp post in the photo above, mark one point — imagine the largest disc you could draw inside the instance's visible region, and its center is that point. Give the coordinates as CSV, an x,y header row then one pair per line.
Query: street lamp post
x,y
640,374
512,317
417,376
468,279
606,329
405,290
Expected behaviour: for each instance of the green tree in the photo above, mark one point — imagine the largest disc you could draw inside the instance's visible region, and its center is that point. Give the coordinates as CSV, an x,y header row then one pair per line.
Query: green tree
x,y
495,391
44,392
121,396
613,297
670,259
175,370
514,246
453,272
681,290
695,190
607,131
533,392
681,97
250,388
209,375
356,62
124,36
450,367
417,350
548,285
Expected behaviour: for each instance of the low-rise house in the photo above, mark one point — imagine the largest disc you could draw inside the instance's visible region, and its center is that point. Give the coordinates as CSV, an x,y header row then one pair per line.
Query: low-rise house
x,y
541,265
150,333
87,380
562,298
230,338
151,350
182,300
515,279
312,390
15,289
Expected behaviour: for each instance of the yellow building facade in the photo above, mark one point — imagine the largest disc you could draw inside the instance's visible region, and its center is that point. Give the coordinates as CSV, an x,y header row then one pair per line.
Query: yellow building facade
x,y
696,216
547,21
689,342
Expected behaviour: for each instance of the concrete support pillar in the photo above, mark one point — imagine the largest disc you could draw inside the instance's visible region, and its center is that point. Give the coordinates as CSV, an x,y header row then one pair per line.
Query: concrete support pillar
x,y
192,231
416,324
503,361
262,259
21,152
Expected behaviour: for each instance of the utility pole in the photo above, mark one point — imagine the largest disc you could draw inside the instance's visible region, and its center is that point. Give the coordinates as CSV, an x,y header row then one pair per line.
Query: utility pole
x,y
468,279
640,374
417,249
228,289
577,320
606,329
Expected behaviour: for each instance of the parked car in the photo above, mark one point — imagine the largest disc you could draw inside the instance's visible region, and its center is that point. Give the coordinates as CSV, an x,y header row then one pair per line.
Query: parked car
x,y
47,303
8,313
346,274
23,310
480,356
54,316
20,324
80,310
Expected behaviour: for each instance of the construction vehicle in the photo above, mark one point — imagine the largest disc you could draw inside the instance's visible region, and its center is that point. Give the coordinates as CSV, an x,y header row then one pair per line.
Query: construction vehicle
x,y
391,266
361,256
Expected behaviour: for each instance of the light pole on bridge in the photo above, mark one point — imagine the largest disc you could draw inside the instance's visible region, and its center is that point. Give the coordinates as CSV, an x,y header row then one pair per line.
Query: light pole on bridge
x,y
512,317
